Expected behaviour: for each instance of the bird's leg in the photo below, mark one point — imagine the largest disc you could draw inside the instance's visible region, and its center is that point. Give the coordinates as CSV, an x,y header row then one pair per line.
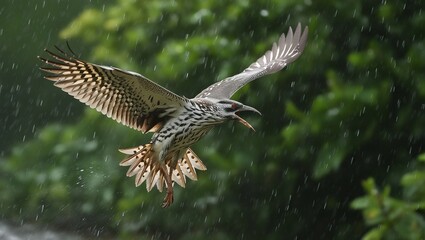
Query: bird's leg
x,y
168,200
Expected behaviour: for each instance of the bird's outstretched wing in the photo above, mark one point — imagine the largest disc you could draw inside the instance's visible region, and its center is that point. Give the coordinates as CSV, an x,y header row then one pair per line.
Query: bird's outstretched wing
x,y
285,51
127,97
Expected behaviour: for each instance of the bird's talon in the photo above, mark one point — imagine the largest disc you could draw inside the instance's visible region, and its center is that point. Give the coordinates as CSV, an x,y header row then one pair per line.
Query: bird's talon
x,y
168,200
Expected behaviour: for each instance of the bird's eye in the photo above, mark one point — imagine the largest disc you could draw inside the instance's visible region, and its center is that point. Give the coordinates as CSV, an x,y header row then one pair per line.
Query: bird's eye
x,y
233,107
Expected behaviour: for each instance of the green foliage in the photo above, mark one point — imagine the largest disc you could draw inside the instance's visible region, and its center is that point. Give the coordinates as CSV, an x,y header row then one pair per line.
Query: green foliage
x,y
392,218
350,108
65,171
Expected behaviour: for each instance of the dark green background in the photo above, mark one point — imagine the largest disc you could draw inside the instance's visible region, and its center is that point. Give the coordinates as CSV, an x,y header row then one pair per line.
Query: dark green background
x,y
337,153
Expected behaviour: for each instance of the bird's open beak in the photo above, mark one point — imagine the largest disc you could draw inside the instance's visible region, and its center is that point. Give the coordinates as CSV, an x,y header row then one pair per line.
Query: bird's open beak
x,y
243,121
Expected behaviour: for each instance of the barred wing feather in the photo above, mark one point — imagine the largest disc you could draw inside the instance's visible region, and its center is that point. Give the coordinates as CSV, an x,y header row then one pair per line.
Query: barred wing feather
x,y
125,96
285,51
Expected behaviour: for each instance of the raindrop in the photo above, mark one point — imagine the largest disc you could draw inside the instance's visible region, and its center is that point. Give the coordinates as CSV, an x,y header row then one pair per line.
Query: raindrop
x,y
264,13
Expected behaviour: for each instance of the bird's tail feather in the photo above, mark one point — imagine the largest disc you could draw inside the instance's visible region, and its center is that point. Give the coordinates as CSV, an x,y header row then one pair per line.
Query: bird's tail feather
x,y
144,164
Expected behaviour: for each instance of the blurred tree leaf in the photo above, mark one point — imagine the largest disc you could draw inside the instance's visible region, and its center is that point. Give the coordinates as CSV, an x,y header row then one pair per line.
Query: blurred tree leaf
x,y
392,218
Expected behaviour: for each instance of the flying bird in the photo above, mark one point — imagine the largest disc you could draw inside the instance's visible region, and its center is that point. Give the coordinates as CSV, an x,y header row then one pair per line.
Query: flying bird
x,y
177,122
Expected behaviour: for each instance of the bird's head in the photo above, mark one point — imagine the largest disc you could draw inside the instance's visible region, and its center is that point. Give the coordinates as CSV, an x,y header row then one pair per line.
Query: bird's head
x,y
230,108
